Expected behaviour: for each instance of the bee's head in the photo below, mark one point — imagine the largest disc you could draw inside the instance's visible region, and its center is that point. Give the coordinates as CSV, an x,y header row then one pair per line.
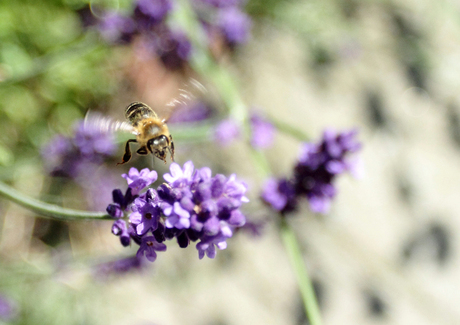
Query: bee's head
x,y
159,145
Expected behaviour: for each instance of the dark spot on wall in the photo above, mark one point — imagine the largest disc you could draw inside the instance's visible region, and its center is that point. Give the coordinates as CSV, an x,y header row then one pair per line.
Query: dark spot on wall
x,y
375,304
433,243
375,109
453,118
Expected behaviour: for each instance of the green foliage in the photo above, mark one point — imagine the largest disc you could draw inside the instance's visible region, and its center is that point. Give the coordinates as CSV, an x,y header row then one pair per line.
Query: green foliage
x,y
51,71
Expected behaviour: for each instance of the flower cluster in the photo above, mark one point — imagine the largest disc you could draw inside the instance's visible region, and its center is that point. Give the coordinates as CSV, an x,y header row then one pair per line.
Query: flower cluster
x,y
68,157
314,174
192,205
147,22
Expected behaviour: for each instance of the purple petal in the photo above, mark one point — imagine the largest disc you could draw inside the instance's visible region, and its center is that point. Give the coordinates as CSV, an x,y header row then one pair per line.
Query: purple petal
x,y
212,226
135,217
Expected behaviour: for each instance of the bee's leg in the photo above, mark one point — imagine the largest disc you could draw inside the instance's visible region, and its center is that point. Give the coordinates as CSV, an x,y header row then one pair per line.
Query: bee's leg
x,y
149,145
127,155
161,154
171,147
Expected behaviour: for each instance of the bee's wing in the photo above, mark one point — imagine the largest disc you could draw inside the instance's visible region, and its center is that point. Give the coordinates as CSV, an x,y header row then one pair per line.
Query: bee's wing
x,y
104,124
187,94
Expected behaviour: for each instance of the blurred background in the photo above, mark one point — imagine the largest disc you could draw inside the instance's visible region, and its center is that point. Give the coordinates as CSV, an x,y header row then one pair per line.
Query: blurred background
x,y
387,253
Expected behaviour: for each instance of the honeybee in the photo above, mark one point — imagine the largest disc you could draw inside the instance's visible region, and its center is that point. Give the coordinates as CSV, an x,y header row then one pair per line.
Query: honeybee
x,y
151,132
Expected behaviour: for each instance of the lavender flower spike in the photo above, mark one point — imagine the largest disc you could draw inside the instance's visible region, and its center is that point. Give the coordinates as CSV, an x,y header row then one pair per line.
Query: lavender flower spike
x,y
314,175
192,206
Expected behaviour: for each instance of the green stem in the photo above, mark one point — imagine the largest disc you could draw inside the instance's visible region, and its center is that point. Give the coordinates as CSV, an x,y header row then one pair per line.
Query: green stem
x,y
289,130
303,280
48,210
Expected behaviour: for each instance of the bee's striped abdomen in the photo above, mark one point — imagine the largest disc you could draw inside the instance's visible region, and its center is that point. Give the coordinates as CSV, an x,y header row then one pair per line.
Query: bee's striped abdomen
x,y
137,111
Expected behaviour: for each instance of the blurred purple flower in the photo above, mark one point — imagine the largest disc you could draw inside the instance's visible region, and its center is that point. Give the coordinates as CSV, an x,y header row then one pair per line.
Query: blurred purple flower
x,y
221,3
70,157
263,132
8,309
280,194
149,13
194,112
116,28
234,24
119,267
173,48
314,174
226,131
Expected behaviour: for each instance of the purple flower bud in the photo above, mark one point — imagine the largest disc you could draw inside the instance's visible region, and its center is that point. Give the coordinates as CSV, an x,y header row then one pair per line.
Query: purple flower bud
x,y
218,185
187,204
211,227
263,132
209,209
237,219
118,197
183,240
119,229
177,217
226,131
203,192
114,210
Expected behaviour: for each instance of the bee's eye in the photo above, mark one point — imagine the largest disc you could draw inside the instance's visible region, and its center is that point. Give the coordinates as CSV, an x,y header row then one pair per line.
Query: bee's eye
x,y
160,141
